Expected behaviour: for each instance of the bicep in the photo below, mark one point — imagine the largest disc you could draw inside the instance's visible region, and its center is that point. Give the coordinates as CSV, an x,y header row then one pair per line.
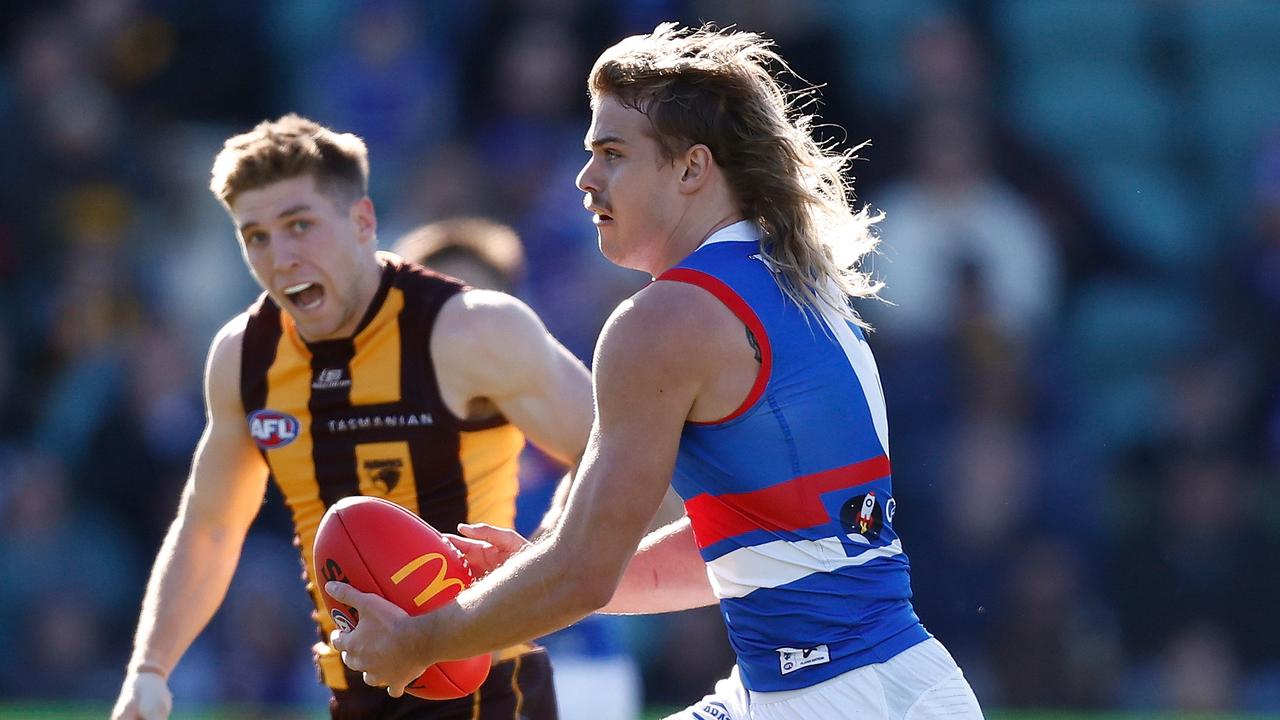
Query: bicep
x,y
490,345
228,474
227,482
643,396
666,574
548,396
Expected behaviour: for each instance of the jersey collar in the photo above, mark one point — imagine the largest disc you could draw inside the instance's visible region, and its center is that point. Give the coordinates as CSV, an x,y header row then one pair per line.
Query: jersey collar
x,y
741,231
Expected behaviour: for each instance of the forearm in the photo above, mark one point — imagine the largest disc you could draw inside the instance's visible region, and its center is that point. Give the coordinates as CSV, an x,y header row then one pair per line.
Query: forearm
x,y
188,582
665,575
545,587
556,509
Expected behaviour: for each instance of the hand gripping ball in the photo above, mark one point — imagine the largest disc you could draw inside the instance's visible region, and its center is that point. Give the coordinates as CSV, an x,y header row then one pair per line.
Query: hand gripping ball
x,y
379,547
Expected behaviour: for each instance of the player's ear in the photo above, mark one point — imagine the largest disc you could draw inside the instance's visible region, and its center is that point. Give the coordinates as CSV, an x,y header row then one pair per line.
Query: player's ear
x,y
364,218
695,168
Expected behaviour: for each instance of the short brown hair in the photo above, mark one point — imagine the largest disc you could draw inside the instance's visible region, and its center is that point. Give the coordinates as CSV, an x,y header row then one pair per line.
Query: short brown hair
x,y
492,244
719,88
291,147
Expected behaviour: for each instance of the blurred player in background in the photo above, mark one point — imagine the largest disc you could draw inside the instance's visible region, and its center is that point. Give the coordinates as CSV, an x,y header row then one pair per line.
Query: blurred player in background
x,y
742,372
482,253
354,373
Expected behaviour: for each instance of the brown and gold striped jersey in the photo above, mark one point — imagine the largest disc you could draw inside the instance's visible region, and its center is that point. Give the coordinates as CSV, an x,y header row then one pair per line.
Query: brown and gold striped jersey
x,y
364,416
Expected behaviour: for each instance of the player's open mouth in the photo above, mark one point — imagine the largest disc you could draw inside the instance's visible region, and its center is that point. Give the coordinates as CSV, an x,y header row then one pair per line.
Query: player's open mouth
x,y
602,219
305,295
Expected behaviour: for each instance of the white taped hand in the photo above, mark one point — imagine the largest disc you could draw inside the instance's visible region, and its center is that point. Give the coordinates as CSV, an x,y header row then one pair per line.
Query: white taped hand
x,y
144,696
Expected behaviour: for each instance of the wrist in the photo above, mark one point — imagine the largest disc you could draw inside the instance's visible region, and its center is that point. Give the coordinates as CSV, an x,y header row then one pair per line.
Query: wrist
x,y
147,667
426,644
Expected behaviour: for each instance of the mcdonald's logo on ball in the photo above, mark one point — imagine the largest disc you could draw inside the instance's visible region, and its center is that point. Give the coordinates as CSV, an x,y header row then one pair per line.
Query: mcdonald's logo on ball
x,y
384,549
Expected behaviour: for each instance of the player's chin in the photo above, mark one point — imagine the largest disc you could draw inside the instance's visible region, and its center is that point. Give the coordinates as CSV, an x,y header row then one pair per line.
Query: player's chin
x,y
315,329
612,249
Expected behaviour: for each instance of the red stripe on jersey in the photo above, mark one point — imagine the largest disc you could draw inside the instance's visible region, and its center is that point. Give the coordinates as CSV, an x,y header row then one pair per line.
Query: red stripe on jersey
x,y
792,505
743,311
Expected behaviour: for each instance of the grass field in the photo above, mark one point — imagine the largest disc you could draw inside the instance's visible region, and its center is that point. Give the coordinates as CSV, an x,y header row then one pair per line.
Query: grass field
x,y
54,711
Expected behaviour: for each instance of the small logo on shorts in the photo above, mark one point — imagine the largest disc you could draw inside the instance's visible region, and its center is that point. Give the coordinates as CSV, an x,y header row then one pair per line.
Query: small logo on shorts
x,y
713,710
793,659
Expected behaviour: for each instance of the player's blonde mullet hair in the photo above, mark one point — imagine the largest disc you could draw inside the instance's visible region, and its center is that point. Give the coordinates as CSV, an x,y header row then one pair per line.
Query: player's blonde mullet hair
x,y
290,147
715,88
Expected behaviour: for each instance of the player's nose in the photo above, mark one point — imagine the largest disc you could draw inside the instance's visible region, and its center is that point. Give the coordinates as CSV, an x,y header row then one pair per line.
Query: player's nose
x,y
588,180
284,255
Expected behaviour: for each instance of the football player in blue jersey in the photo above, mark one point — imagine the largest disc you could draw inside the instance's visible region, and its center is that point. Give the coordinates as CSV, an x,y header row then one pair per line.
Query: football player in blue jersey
x,y
742,377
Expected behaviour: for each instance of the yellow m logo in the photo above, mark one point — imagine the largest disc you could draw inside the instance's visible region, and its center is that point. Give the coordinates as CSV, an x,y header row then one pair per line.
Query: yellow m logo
x,y
438,584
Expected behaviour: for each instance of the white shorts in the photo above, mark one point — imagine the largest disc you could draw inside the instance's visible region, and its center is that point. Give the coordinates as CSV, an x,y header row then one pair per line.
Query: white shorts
x,y
919,683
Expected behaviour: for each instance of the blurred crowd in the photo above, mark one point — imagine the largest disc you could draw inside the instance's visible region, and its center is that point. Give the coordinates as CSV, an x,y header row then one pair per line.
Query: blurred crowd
x,y
1080,351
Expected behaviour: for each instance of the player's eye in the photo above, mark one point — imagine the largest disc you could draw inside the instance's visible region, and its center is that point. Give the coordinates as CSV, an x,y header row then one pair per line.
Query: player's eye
x,y
299,226
612,154
256,238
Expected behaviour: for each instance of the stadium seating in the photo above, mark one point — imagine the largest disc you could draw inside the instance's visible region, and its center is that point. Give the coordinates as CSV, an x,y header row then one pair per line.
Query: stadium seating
x,y
1042,33
873,32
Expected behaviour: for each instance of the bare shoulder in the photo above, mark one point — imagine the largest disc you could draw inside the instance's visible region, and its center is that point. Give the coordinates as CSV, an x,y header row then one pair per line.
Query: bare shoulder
x,y
222,371
230,337
481,323
680,340
488,344
477,315
672,320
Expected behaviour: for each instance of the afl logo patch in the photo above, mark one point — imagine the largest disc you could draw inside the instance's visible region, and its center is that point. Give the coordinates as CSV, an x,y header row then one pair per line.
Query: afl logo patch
x,y
271,429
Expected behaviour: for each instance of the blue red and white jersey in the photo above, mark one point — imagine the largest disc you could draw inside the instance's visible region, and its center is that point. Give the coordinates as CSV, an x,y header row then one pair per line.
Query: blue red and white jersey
x,y
790,496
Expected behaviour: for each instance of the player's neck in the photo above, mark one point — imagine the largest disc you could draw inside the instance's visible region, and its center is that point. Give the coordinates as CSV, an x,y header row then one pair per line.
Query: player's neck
x,y
366,290
685,241
370,281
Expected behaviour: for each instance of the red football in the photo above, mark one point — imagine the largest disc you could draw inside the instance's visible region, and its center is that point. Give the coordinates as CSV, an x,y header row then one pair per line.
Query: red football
x,y
379,547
